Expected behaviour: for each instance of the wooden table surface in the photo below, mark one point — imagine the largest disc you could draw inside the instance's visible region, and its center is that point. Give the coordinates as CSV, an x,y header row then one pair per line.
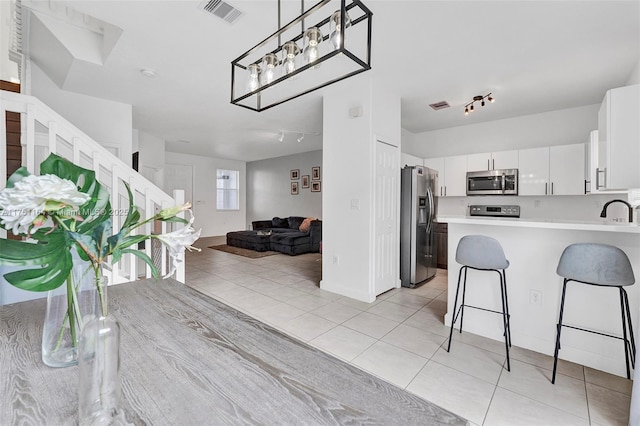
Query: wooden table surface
x,y
187,359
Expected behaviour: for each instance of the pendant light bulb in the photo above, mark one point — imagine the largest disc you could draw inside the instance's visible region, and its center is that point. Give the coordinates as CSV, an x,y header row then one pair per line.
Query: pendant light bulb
x,y
491,99
482,103
290,51
313,37
270,69
336,35
466,110
471,109
253,81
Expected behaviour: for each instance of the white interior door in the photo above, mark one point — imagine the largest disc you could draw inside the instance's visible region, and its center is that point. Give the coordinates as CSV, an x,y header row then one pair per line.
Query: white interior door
x,y
386,211
179,176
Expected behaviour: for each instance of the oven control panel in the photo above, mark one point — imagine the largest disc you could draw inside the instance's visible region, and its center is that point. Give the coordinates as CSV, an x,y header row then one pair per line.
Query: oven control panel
x,y
494,211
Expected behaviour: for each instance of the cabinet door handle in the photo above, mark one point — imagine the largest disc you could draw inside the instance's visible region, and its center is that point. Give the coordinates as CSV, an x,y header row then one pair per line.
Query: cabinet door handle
x,y
551,188
598,171
585,186
441,191
493,162
488,168
545,188
445,191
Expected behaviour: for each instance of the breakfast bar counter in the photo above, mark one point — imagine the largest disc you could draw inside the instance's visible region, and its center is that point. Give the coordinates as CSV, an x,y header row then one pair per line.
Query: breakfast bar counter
x,y
533,248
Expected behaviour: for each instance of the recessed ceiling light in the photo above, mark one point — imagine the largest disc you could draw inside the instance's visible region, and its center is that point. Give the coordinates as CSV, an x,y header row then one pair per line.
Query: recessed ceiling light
x,y
147,72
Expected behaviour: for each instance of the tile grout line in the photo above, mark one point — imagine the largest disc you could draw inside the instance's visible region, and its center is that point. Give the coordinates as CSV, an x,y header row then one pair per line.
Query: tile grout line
x,y
495,388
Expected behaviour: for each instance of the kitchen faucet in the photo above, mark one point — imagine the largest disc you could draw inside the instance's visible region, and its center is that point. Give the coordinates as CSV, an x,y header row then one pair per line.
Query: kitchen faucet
x,y
603,213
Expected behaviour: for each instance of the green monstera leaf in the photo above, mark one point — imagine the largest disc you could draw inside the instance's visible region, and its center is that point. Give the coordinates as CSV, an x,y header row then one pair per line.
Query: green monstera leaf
x,y
52,257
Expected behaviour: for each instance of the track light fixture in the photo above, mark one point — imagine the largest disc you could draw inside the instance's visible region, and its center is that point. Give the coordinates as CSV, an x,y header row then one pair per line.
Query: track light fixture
x,y
469,107
300,134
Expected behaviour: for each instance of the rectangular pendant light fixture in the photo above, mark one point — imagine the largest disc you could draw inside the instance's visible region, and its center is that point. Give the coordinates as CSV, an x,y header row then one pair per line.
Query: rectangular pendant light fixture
x,y
325,44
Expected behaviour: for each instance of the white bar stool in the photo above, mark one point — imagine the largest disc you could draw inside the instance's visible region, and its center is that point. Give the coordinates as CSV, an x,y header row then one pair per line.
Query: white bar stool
x,y
601,265
483,254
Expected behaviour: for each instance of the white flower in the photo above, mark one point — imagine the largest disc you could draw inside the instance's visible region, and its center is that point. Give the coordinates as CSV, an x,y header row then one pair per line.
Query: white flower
x,y
33,195
177,241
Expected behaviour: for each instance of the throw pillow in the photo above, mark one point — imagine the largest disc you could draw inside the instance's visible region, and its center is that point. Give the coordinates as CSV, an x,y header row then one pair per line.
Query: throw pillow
x,y
277,222
295,222
306,224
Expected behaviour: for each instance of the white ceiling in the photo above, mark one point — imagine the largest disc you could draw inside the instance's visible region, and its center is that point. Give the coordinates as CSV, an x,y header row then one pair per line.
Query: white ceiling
x,y
534,56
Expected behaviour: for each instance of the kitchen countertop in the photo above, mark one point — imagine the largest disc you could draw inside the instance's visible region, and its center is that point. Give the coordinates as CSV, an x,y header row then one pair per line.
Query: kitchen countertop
x,y
578,225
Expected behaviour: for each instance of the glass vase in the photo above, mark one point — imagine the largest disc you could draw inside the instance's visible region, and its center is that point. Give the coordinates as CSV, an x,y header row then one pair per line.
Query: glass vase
x,y
68,308
99,367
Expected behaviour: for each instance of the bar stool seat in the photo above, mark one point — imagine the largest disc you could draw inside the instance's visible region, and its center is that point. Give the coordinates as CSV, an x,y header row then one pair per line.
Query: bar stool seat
x,y
482,253
599,265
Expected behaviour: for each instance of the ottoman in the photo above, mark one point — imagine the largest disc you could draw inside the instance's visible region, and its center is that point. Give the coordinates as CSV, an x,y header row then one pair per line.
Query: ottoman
x,y
249,240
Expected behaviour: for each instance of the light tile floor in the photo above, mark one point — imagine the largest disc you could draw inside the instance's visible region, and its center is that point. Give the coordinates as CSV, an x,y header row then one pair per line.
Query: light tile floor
x,y
401,338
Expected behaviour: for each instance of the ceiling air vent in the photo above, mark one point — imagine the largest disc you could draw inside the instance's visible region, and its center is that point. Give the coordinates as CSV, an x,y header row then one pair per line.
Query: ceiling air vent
x,y
440,105
222,10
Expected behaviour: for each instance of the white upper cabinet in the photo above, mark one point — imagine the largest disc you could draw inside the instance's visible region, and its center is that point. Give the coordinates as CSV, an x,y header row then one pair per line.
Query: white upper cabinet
x,y
566,169
534,171
619,139
455,177
492,161
555,170
452,175
437,164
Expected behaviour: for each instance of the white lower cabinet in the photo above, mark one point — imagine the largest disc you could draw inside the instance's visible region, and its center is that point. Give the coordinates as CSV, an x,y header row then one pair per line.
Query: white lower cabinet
x,y
555,170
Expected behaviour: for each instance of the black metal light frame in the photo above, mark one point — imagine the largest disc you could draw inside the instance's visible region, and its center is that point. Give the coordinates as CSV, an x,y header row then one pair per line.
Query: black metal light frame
x,y
365,65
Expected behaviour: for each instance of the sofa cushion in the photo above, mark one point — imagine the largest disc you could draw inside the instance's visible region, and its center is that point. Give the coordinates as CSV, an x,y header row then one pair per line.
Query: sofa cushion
x,y
292,243
295,222
305,225
278,222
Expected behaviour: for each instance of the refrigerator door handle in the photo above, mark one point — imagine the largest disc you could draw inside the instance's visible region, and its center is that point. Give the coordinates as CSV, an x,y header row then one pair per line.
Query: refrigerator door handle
x,y
430,211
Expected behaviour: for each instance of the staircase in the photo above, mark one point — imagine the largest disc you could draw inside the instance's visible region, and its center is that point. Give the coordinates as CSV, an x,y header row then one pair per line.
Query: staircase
x,y
44,132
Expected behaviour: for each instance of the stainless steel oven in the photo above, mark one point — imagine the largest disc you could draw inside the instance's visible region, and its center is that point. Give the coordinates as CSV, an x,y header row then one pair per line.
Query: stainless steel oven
x,y
493,182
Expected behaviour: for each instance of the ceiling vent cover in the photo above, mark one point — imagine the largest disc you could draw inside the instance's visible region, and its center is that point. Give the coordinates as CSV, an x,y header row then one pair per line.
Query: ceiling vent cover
x,y
222,10
440,105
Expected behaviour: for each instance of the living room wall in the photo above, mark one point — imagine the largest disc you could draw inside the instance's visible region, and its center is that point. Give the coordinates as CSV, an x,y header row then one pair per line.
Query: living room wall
x,y
269,187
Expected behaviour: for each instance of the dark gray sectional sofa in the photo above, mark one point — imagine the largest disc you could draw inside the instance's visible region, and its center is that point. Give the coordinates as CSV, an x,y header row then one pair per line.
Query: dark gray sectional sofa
x,y
284,236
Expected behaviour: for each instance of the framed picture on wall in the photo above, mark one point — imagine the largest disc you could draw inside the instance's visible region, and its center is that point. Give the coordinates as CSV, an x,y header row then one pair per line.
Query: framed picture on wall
x,y
295,174
315,186
294,188
305,181
315,173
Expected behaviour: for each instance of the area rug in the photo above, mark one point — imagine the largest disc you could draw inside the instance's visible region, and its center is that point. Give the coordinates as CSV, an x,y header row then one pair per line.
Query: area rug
x,y
243,252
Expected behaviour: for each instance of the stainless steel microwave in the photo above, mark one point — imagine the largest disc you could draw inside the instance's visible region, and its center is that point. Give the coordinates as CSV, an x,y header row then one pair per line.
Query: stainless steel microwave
x,y
493,182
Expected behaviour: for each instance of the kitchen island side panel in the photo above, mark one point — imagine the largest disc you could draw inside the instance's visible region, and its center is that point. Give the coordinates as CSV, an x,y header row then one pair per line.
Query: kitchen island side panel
x,y
534,291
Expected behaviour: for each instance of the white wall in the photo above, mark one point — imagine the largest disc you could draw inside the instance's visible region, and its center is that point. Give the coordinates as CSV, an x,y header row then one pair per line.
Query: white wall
x,y
109,123
211,221
410,160
634,77
559,127
151,157
348,159
8,69
269,187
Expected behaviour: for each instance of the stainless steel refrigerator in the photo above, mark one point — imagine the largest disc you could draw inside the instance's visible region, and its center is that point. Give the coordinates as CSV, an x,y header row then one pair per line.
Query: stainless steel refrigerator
x,y
418,207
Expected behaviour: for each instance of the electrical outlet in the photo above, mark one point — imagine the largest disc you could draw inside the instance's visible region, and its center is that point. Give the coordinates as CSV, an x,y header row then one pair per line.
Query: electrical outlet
x,y
535,297
336,259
